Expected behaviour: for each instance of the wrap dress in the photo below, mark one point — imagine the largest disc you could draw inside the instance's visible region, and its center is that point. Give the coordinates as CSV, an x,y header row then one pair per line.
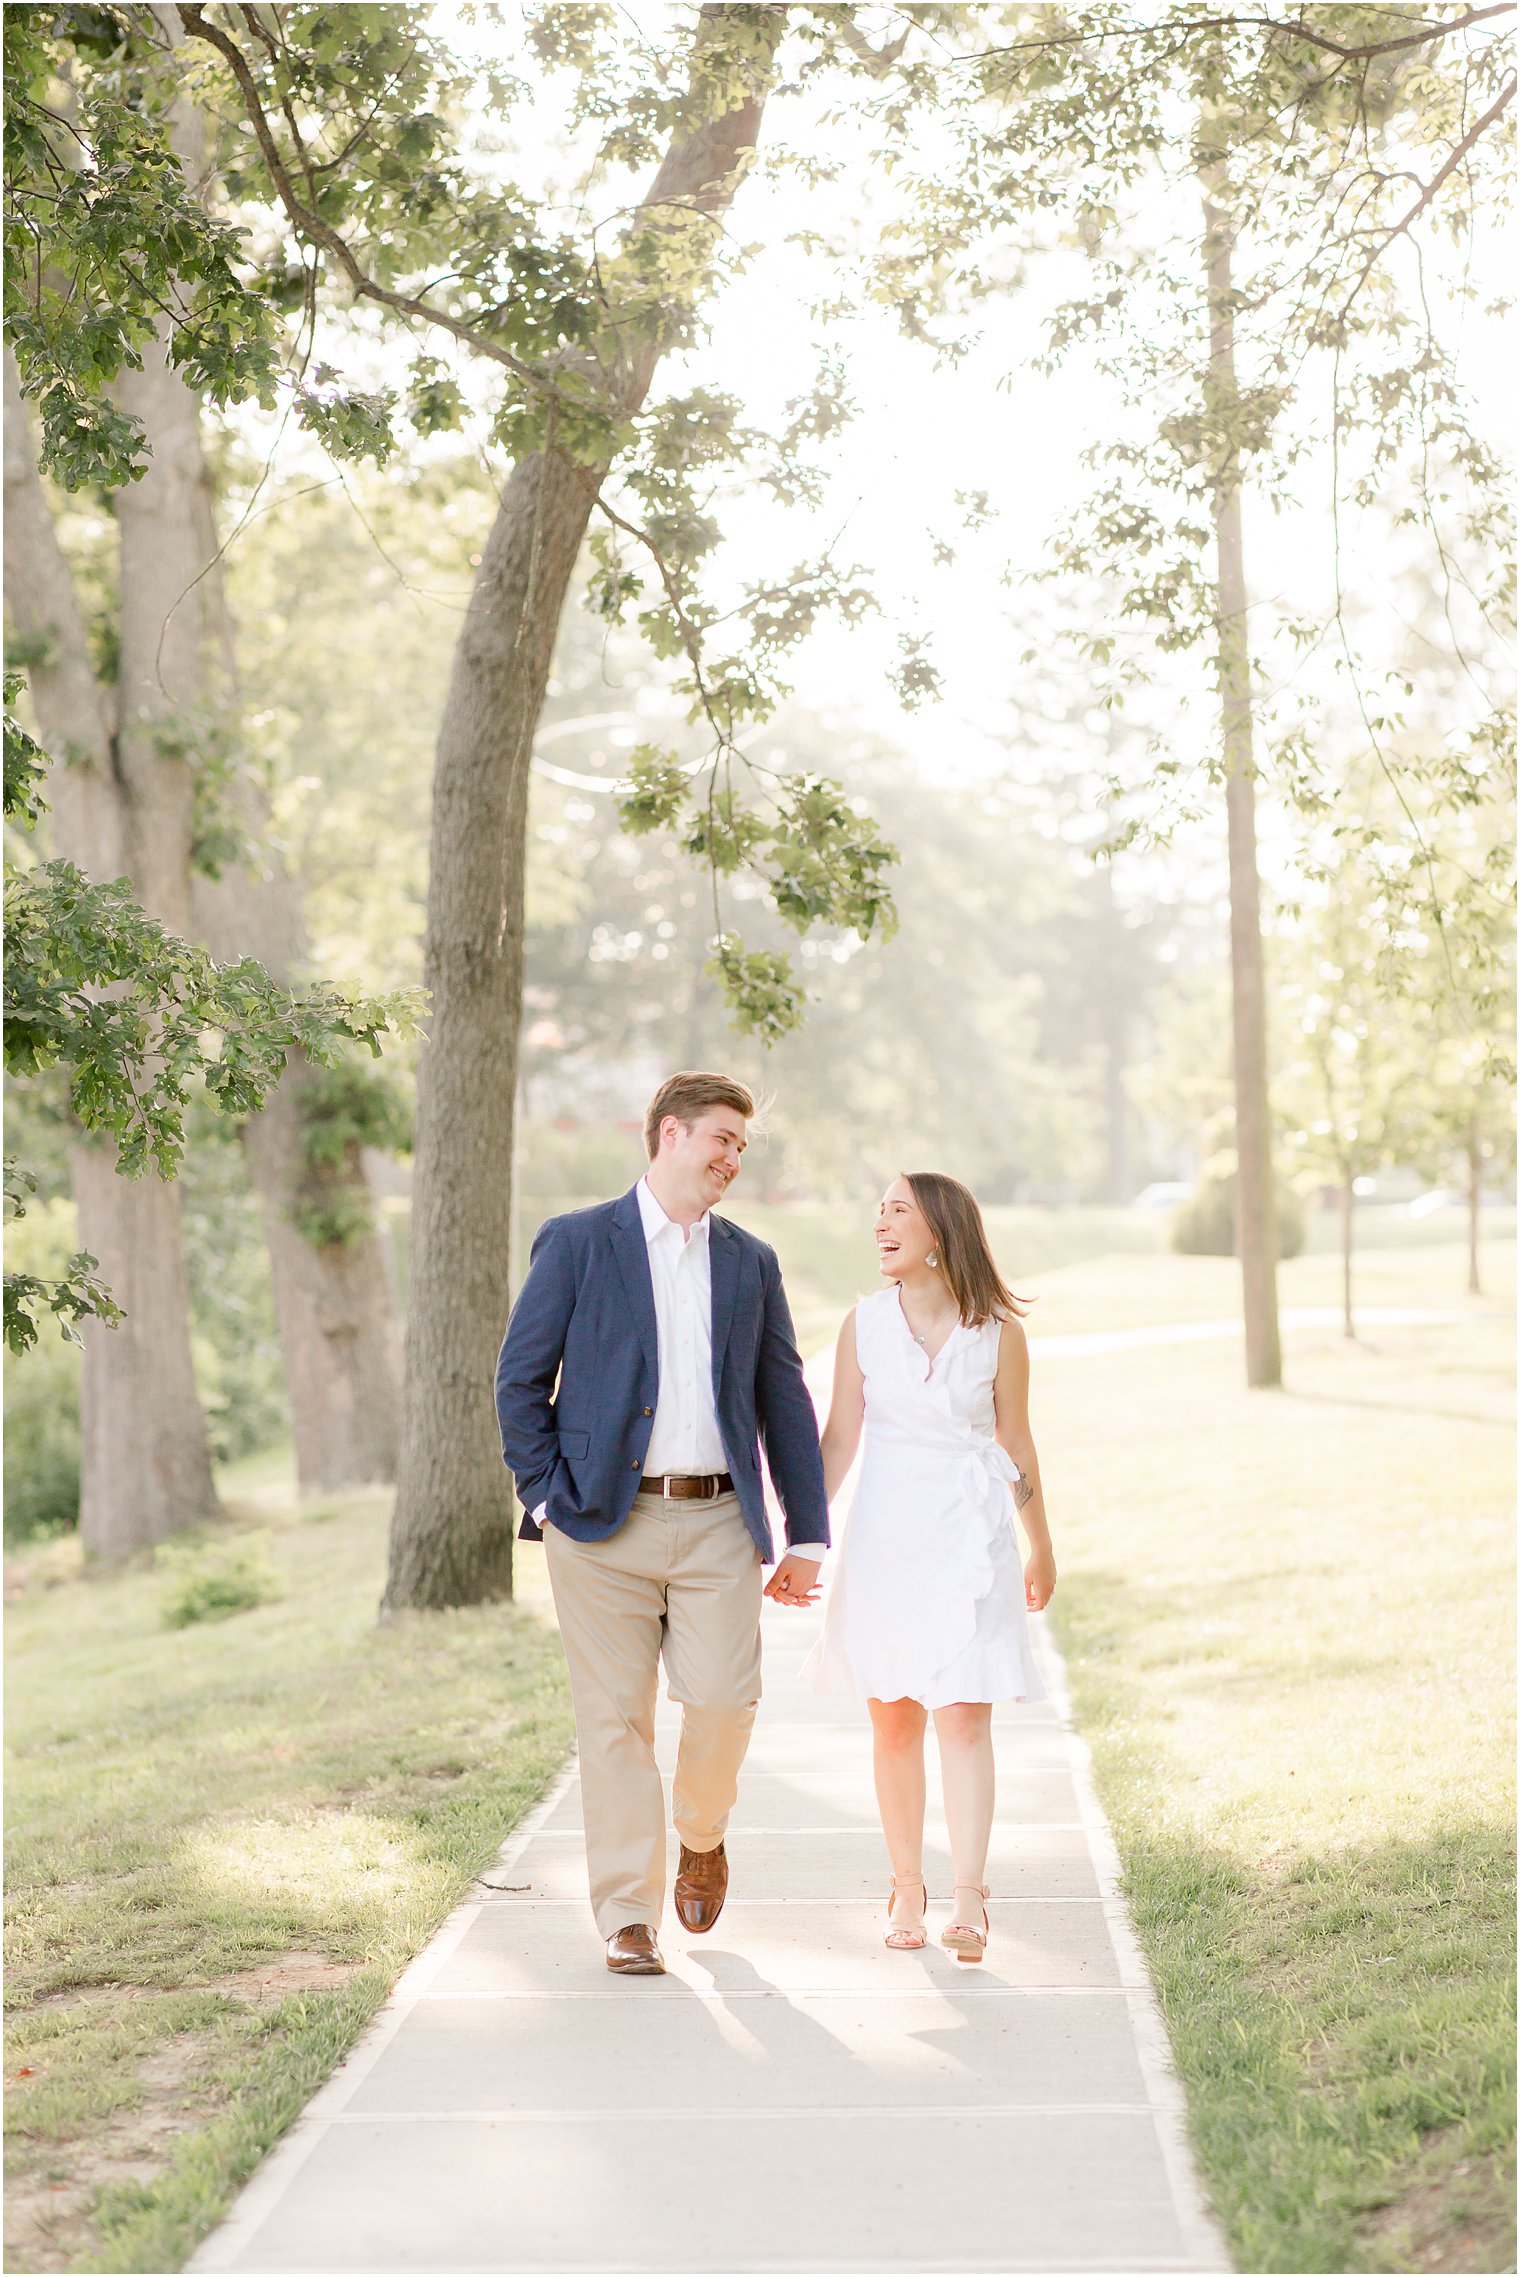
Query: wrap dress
x,y
926,1601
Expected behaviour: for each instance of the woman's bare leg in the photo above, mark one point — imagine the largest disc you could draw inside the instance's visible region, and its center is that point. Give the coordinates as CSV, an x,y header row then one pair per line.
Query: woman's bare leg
x,y
897,1755
964,1732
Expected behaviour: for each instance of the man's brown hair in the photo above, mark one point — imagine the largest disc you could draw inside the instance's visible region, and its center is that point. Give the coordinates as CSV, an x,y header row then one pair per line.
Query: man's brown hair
x,y
688,1095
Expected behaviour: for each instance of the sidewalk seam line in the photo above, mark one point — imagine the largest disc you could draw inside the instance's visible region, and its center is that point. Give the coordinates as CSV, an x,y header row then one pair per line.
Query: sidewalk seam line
x,y
490,2114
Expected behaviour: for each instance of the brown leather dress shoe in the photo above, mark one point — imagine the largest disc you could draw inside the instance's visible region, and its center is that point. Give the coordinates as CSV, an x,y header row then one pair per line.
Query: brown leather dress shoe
x,y
632,1952
701,1887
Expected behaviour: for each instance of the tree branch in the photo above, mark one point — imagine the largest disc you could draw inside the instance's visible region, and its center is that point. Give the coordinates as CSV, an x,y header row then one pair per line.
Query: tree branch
x,y
1400,228
1495,110
690,638
1296,29
1300,30
877,60
320,232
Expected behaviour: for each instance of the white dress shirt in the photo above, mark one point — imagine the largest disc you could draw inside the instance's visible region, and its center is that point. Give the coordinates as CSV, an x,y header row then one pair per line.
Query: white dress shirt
x,y
685,1435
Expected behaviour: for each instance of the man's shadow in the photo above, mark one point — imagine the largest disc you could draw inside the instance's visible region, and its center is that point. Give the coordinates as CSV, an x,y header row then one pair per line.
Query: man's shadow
x,y
774,2024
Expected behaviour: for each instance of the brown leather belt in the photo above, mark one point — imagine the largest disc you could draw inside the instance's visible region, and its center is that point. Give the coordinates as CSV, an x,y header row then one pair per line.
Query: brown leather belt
x,y
705,1488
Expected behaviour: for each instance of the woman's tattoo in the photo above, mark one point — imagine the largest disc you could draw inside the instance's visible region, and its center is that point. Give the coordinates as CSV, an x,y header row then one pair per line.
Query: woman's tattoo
x,y
1023,1492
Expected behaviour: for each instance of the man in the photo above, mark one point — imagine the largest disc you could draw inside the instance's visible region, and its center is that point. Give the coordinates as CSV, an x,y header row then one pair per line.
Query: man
x,y
649,1354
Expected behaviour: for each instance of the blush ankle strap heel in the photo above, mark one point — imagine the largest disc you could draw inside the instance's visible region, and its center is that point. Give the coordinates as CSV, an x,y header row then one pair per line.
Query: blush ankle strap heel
x,y
910,1937
966,1943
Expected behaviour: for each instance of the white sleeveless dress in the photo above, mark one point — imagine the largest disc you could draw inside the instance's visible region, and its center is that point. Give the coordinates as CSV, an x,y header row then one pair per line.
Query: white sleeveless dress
x,y
927,1597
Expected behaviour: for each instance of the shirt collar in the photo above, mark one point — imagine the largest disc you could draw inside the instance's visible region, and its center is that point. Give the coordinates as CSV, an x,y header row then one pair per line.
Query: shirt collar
x,y
656,1222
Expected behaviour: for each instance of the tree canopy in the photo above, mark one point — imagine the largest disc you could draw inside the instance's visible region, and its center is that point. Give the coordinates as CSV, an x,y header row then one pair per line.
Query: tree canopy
x,y
141,1022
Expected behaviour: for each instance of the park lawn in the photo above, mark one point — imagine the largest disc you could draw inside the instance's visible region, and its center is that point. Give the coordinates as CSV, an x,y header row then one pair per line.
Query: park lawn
x,y
1092,1269
1132,1291
1288,1624
227,1841
1288,1619
828,1250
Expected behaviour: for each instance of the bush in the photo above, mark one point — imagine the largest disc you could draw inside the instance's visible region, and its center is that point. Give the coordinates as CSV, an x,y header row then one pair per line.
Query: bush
x,y
1204,1225
42,1392
210,1581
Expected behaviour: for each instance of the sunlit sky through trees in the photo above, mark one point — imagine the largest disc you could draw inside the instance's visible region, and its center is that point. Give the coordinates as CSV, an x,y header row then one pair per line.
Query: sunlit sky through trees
x,y
928,428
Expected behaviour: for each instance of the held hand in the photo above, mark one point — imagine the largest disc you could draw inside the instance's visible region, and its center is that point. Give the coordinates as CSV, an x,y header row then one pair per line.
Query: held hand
x,y
795,1581
1039,1581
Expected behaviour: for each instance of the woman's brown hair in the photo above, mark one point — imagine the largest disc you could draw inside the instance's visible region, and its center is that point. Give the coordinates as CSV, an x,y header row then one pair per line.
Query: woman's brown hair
x,y
965,1255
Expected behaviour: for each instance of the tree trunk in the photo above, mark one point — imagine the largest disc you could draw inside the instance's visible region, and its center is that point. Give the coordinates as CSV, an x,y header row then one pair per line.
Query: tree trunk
x,y
451,1540
1120,1179
145,1456
1255,1201
132,810
333,1302
1474,1204
76,714
1116,1016
1348,1222
337,1316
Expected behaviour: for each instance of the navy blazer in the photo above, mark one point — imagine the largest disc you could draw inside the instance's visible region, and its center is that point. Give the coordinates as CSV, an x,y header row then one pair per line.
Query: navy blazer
x,y
578,1378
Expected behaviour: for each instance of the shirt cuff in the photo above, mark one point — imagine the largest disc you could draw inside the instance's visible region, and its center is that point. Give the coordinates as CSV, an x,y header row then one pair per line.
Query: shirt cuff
x,y
817,1551
538,1515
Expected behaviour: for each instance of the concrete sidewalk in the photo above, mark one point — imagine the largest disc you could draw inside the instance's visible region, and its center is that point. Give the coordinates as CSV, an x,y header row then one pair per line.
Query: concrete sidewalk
x,y
792,2096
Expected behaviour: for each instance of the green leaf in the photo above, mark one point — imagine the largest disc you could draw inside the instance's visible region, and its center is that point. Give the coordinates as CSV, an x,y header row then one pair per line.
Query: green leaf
x,y
26,764
760,988
658,790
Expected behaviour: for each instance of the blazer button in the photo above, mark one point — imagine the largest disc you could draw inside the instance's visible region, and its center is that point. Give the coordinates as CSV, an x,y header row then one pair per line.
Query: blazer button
x,y
649,1411
633,1466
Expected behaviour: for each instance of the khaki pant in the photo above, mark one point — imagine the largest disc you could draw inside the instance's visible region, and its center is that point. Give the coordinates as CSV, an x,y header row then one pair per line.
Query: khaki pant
x,y
679,1580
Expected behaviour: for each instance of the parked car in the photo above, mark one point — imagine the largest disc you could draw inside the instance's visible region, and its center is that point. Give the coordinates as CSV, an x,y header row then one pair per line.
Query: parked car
x,y
1438,1198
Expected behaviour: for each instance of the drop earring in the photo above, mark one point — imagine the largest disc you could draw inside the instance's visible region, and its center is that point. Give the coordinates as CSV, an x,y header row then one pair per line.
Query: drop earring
x,y
932,1258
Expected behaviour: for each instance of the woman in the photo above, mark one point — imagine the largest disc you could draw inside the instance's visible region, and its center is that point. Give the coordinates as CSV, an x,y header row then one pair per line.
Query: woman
x,y
927,1610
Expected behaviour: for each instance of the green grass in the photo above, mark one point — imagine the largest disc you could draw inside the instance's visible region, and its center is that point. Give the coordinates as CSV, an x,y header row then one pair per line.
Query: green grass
x,y
1289,1624
227,1841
